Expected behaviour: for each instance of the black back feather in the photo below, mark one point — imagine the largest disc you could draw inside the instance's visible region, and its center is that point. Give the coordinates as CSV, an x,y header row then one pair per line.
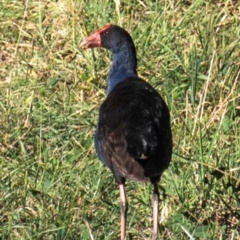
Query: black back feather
x,y
133,137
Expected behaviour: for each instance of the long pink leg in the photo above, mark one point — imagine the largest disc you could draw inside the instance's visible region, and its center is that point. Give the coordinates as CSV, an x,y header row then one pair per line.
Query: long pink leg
x,y
155,203
123,208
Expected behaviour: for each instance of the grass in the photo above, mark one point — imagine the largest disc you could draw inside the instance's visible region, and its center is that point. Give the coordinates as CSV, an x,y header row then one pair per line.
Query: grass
x,y
52,185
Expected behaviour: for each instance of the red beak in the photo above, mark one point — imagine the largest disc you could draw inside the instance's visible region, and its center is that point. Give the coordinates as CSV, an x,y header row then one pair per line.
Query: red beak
x,y
94,40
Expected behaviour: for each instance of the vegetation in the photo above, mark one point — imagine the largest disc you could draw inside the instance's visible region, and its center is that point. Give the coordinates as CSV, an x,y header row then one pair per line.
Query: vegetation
x,y
52,185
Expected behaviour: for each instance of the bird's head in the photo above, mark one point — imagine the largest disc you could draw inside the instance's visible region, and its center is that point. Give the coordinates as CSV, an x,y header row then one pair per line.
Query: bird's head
x,y
110,37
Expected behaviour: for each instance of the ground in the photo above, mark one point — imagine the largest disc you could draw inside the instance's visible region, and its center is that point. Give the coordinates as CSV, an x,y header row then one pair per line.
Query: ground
x,y
52,185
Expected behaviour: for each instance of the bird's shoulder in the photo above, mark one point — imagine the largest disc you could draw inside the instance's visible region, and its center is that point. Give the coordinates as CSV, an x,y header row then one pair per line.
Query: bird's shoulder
x,y
132,98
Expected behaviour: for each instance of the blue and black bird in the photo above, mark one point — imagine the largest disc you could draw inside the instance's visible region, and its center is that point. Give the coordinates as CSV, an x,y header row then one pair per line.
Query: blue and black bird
x,y
133,136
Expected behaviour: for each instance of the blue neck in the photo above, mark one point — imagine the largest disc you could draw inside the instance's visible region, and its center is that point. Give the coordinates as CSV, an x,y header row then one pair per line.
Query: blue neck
x,y
124,65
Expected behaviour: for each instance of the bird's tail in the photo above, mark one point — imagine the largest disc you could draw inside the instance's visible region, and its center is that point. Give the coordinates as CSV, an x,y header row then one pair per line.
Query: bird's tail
x,y
141,140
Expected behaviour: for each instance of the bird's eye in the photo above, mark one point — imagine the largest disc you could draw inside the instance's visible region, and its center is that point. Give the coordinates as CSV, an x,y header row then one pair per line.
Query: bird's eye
x,y
106,33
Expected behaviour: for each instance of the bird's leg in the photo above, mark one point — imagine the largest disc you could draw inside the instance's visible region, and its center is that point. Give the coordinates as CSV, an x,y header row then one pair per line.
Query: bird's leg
x,y
123,208
155,203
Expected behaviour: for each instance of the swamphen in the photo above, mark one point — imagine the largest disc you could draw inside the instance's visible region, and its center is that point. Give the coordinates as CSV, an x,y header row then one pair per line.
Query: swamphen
x,y
133,136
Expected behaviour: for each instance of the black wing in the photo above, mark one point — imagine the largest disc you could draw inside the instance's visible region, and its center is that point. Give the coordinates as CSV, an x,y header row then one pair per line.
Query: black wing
x,y
133,136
